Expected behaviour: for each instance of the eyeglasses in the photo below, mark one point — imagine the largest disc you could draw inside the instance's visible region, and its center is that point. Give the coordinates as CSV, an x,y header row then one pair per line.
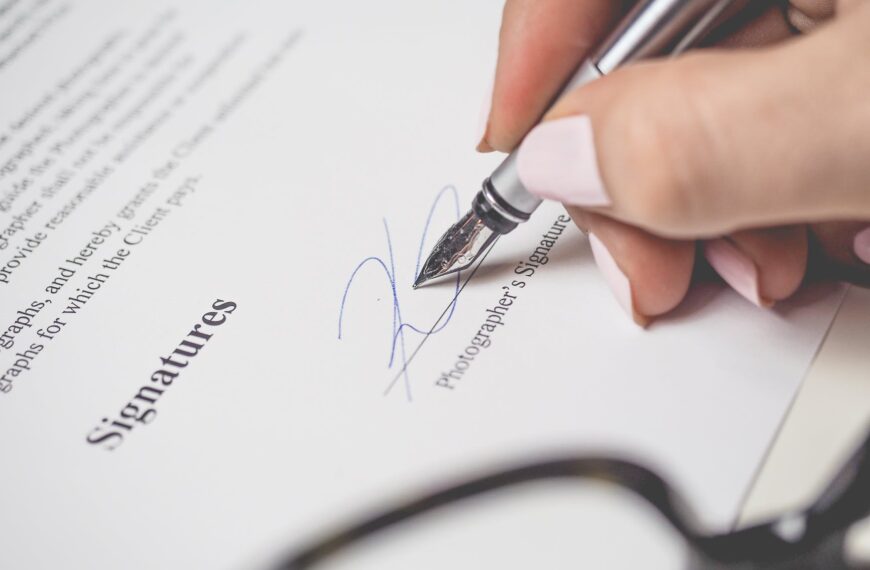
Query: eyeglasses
x,y
814,537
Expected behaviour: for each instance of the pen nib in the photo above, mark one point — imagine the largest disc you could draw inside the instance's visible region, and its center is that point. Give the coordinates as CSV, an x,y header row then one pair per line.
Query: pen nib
x,y
457,249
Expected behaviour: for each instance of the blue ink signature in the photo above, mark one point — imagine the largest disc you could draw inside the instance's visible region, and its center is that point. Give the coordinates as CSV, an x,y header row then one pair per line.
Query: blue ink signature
x,y
400,327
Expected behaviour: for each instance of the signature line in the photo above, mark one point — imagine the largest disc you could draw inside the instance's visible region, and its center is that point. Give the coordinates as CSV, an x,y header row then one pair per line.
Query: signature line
x,y
400,327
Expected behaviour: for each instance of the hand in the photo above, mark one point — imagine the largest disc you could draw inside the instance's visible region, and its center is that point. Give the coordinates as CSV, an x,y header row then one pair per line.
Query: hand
x,y
759,148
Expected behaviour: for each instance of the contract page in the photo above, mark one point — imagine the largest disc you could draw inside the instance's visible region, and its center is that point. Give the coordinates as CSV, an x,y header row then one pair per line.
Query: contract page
x,y
211,215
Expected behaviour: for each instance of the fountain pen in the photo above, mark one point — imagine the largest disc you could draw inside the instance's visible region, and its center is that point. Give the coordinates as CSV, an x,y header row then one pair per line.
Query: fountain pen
x,y
652,28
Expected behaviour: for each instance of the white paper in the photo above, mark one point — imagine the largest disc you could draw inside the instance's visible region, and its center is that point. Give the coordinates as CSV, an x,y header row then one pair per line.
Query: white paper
x,y
256,153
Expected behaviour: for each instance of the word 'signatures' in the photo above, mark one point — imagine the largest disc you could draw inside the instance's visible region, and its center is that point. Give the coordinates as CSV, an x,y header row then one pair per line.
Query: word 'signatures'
x,y
110,433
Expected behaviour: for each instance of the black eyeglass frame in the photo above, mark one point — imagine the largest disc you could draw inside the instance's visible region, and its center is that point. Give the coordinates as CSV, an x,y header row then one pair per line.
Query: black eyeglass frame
x,y
816,539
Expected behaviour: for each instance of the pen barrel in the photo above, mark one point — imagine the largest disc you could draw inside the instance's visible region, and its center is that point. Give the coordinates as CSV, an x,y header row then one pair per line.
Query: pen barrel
x,y
657,27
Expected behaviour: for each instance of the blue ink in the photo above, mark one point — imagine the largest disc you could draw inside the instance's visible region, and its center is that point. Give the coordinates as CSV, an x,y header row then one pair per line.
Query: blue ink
x,y
400,327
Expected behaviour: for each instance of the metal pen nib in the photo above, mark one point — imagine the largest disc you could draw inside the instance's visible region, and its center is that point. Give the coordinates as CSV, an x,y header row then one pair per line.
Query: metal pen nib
x,y
458,248
490,217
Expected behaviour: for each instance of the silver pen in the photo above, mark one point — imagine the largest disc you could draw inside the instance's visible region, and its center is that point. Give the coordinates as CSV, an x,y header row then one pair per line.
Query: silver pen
x,y
651,28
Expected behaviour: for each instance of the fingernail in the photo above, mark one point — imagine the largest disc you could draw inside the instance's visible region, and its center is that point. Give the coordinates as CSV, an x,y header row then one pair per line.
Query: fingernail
x,y
557,160
862,245
616,279
483,120
736,269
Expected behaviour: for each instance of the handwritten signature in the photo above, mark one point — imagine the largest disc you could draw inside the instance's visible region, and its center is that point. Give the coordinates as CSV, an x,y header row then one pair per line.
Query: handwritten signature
x,y
398,352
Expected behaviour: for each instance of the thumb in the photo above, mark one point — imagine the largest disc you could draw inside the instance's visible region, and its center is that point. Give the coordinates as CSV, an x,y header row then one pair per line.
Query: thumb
x,y
717,141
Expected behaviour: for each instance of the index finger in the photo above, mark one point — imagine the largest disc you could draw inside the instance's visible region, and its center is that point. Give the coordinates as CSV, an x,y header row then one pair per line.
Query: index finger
x,y
540,45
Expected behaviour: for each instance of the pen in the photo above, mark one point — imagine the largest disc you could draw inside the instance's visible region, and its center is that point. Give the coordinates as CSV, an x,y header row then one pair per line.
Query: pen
x,y
651,28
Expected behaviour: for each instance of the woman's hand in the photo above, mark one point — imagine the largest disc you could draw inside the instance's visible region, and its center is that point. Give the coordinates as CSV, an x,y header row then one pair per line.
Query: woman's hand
x,y
760,151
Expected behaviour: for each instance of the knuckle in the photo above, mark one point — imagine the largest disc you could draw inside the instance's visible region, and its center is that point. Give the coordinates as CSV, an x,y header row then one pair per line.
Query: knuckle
x,y
664,150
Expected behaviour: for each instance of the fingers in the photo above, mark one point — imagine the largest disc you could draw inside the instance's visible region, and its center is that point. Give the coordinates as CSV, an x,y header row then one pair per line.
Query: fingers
x,y
716,142
648,275
541,43
764,266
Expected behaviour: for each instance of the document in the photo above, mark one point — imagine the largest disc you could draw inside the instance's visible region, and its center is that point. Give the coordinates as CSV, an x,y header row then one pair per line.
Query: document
x,y
211,215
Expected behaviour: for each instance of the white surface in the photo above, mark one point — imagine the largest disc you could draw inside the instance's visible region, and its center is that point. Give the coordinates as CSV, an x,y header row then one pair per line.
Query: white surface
x,y
278,427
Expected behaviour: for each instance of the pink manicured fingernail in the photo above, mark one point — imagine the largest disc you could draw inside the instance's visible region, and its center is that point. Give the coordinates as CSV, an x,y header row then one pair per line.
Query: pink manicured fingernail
x,y
736,268
483,119
619,283
557,160
862,245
